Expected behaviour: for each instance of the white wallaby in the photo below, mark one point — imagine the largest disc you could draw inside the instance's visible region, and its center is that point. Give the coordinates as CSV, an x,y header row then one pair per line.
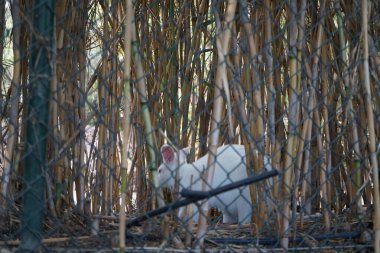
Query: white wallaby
x,y
236,205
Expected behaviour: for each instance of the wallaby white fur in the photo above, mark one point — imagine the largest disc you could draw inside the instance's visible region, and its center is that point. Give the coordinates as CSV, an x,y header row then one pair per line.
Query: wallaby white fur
x,y
236,205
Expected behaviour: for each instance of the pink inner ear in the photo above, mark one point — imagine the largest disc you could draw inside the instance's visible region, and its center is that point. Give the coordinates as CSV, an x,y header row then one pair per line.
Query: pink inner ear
x,y
168,154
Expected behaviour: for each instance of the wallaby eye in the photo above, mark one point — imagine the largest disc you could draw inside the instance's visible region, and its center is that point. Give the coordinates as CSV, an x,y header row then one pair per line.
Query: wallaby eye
x,y
159,171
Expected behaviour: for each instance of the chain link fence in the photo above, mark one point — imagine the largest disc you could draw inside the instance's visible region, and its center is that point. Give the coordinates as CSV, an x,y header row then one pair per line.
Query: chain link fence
x,y
172,126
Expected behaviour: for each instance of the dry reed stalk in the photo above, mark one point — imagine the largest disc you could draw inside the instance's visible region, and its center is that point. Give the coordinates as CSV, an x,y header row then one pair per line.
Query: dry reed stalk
x,y
141,89
187,84
139,163
13,133
375,64
310,103
81,99
371,127
149,44
69,101
350,112
293,122
63,171
254,160
114,114
204,120
58,170
335,149
278,49
271,91
316,60
305,188
238,95
199,92
148,130
103,173
131,184
57,173
2,43
223,41
258,133
127,117
223,61
109,107
300,51
168,70
323,174
326,145
301,172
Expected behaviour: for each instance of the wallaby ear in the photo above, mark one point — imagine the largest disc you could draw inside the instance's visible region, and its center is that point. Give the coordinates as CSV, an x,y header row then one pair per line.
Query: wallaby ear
x,y
183,153
167,153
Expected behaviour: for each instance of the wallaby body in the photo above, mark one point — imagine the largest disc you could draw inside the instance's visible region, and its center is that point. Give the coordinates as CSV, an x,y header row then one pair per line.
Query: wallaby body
x,y
236,205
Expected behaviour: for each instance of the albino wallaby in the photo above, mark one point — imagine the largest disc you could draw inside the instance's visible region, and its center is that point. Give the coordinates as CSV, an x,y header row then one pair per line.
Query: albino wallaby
x,y
230,166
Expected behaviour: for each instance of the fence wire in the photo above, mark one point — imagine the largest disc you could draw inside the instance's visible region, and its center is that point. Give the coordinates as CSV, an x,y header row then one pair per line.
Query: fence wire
x,y
121,120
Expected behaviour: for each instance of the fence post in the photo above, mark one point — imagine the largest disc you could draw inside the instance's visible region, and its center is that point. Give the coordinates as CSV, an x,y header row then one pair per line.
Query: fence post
x,y
37,125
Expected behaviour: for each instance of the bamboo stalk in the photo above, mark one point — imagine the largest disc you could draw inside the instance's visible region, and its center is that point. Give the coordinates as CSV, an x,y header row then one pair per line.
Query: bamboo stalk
x,y
113,118
238,95
254,159
305,188
14,106
371,127
326,145
350,112
292,124
269,79
127,117
300,140
82,111
187,86
54,123
223,40
323,174
104,176
2,43
271,99
54,115
141,89
256,94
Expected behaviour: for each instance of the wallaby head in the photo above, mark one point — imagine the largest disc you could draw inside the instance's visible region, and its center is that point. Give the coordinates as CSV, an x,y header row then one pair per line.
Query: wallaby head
x,y
167,170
